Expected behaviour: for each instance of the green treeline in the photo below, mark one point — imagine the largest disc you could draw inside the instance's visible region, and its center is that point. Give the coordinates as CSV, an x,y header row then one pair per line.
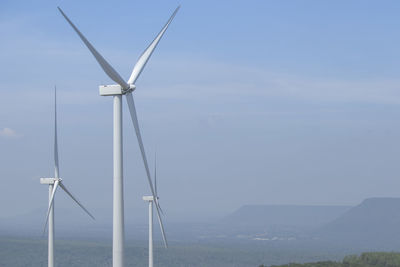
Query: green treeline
x,y
369,259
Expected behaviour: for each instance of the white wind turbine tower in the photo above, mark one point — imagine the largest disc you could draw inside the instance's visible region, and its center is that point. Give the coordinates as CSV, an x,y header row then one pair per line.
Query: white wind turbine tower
x,y
117,91
150,199
53,185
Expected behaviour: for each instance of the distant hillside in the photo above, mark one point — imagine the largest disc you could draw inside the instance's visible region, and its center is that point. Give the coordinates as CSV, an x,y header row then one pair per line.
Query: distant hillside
x,y
291,215
375,220
370,259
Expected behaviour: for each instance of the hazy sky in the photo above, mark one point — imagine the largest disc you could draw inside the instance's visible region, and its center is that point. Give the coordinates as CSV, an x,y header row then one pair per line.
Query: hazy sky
x,y
246,102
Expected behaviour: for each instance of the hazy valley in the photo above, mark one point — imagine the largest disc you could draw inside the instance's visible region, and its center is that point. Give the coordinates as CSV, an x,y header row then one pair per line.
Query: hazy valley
x,y
250,236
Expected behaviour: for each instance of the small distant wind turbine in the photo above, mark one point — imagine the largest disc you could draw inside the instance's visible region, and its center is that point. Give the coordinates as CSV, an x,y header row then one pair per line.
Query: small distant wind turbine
x,y
53,185
150,199
117,91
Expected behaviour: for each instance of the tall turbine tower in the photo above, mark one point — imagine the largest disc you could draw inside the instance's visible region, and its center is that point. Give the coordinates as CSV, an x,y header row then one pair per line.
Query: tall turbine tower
x,y
150,199
117,91
53,185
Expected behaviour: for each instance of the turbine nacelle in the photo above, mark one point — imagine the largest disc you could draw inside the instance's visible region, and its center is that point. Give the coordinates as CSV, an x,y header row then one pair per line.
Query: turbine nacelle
x,y
149,198
115,89
49,180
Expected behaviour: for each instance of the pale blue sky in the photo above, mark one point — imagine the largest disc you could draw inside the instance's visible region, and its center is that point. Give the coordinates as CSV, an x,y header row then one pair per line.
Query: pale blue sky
x,y
248,102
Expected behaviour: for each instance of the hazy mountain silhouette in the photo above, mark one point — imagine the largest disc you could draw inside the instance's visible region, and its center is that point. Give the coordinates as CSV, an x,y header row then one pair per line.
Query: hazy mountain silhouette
x,y
374,223
293,215
374,220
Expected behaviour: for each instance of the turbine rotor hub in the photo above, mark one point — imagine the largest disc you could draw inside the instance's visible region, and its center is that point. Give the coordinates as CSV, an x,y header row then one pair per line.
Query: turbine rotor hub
x,y
131,88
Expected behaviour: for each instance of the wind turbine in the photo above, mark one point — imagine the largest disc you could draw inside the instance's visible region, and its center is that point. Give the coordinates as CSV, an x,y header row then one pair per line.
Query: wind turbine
x,y
53,185
150,199
117,91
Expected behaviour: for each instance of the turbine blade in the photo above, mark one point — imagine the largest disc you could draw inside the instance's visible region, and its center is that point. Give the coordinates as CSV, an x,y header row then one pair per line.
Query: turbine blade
x,y
55,186
141,63
155,183
80,205
132,110
159,206
155,175
108,69
56,167
161,225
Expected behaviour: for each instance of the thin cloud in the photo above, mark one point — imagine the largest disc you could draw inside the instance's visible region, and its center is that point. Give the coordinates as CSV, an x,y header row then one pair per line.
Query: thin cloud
x,y
228,80
9,133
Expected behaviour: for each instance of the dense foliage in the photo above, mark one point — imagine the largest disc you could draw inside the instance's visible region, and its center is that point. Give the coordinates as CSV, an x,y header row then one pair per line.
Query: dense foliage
x,y
370,259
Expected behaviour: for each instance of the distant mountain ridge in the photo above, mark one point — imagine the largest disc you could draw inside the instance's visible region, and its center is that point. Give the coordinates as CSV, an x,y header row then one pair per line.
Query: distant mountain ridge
x,y
298,215
373,224
375,219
